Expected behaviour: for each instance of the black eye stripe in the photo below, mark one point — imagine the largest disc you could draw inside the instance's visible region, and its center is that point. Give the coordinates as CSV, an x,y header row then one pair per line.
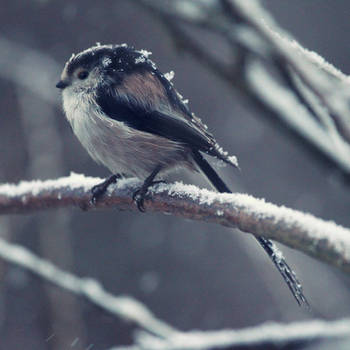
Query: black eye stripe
x,y
83,74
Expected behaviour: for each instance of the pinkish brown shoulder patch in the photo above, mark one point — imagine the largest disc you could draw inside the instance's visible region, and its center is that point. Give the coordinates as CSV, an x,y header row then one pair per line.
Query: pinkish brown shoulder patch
x,y
144,87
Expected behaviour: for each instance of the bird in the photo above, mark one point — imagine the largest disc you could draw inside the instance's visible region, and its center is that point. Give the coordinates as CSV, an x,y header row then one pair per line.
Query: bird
x,y
129,117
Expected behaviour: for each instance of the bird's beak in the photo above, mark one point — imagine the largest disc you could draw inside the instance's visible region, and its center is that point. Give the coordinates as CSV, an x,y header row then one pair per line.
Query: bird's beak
x,y
61,84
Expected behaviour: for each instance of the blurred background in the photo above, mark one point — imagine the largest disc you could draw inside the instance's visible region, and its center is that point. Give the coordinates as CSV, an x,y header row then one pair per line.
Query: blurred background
x,y
190,274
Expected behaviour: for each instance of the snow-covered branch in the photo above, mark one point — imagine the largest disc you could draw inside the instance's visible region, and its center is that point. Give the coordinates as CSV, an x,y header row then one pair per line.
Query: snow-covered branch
x,y
266,336
158,335
323,240
124,307
306,95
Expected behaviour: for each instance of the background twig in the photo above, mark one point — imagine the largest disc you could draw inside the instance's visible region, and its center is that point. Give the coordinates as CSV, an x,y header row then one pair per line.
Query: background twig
x,y
270,336
158,335
125,307
264,66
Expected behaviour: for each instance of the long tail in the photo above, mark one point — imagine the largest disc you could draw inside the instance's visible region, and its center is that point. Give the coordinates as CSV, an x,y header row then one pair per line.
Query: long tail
x,y
270,248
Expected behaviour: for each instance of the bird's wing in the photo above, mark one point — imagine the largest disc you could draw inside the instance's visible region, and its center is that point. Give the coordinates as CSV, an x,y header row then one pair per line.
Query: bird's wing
x,y
128,105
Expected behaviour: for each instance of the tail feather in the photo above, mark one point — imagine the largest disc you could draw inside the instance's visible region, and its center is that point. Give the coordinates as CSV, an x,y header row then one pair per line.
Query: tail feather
x,y
270,248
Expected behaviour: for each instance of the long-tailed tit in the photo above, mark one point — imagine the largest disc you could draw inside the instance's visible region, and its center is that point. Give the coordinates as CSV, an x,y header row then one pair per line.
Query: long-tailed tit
x,y
130,118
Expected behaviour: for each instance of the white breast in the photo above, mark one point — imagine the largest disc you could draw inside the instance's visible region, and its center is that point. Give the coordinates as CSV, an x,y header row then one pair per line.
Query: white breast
x,y
120,148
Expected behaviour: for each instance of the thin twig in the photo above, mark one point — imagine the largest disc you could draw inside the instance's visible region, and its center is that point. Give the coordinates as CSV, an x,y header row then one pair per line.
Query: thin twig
x,y
264,336
124,307
157,334
239,24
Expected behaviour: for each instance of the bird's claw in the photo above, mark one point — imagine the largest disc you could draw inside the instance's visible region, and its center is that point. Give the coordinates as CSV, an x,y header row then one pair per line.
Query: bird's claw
x,y
139,198
99,190
140,195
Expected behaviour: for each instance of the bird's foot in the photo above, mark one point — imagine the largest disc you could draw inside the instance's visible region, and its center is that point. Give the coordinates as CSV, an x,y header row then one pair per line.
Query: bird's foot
x,y
140,195
99,190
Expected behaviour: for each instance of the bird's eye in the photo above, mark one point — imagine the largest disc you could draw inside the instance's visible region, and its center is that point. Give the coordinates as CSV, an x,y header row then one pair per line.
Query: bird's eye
x,y
83,74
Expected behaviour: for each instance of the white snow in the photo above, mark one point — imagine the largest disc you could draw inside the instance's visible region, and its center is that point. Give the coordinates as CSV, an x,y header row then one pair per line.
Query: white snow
x,y
269,332
312,56
145,53
73,181
91,50
140,59
122,306
233,160
185,101
312,229
284,102
277,254
106,62
169,76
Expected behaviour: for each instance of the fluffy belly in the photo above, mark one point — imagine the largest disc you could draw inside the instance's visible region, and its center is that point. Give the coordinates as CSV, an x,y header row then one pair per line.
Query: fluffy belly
x,y
125,150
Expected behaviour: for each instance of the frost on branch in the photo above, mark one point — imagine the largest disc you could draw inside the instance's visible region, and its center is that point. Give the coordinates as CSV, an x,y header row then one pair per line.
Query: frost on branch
x,y
269,335
321,239
124,307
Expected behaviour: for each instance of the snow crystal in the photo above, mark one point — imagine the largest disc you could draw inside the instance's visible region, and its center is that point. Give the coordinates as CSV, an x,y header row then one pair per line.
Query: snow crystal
x,y
145,53
180,97
154,67
312,56
186,101
140,59
276,253
169,76
73,181
106,62
233,160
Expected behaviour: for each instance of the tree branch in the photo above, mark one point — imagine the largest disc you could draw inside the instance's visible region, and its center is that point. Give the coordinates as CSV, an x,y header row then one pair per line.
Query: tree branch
x,y
323,240
155,334
124,307
265,336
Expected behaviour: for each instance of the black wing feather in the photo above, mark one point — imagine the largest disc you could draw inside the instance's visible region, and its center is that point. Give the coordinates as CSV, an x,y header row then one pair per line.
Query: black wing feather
x,y
167,125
